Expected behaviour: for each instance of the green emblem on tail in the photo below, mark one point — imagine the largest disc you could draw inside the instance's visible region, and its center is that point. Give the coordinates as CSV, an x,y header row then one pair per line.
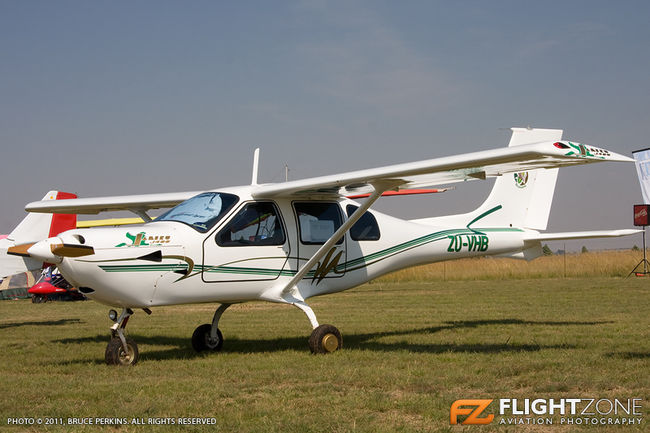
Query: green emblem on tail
x,y
521,179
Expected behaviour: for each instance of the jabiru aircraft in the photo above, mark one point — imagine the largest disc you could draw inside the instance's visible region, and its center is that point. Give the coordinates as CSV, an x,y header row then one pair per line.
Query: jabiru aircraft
x,y
290,241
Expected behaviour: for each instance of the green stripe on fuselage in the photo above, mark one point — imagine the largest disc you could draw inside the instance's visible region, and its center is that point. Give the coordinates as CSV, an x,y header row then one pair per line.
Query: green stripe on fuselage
x,y
350,265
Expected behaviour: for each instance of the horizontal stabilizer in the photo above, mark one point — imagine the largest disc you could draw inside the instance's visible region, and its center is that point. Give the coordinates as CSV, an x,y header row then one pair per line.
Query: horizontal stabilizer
x,y
581,235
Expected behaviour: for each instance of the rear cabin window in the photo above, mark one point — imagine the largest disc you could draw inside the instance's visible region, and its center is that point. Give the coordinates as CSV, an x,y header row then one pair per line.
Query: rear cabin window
x,y
318,221
257,224
366,228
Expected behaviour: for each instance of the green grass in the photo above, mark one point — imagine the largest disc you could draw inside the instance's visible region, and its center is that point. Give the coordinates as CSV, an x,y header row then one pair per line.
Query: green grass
x,y
614,263
410,350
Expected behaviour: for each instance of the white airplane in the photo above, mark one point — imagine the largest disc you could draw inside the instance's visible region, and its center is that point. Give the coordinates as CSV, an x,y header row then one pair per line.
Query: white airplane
x,y
290,241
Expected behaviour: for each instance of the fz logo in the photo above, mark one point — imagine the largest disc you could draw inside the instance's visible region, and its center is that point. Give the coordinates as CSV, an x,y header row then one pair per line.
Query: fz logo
x,y
472,413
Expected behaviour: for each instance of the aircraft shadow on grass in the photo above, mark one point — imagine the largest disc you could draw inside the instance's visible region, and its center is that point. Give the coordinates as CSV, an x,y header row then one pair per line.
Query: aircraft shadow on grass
x,y
630,355
182,350
41,323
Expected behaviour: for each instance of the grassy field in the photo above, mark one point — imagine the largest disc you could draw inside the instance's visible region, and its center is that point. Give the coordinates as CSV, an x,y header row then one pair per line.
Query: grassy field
x,y
590,264
410,350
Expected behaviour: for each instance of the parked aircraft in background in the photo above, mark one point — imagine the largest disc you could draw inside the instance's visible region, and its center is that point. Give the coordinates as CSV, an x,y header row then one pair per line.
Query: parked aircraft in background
x,y
52,286
290,241
32,228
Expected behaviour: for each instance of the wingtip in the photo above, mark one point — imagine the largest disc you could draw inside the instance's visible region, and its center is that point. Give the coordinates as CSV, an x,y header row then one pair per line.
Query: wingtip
x,y
617,157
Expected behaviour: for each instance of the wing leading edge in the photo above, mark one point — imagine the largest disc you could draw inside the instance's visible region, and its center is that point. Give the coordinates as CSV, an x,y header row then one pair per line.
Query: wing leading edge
x,y
440,171
135,203
432,172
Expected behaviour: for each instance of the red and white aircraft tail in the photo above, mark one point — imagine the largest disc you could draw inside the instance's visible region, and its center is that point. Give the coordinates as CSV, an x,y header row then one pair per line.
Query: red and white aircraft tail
x,y
33,228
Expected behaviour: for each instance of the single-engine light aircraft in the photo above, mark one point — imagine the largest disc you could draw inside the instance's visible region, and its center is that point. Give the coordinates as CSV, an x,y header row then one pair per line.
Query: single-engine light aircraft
x,y
290,241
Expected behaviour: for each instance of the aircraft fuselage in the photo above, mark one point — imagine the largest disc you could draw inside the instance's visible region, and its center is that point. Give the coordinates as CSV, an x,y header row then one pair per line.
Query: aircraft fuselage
x,y
170,262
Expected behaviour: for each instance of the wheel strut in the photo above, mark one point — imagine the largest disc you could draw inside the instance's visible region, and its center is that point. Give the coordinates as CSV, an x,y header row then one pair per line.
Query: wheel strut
x,y
121,350
324,338
208,336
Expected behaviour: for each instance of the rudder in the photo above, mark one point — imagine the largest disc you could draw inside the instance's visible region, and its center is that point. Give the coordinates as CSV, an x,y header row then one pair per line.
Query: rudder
x,y
517,199
525,197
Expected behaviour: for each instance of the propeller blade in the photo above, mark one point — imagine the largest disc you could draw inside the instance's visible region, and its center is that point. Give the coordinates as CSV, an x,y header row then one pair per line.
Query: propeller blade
x,y
72,250
20,250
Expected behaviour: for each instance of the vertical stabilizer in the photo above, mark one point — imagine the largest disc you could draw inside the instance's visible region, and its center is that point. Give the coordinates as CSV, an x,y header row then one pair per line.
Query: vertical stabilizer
x,y
525,197
33,228
39,226
517,199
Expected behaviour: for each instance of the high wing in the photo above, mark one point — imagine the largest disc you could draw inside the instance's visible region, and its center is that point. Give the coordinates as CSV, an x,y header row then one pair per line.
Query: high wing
x,y
439,171
135,203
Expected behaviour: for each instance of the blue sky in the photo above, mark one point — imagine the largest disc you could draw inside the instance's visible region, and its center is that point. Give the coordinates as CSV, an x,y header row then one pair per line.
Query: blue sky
x,y
120,97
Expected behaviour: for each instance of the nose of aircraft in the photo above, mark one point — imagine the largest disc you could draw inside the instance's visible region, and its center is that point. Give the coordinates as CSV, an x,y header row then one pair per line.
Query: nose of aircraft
x,y
42,250
53,250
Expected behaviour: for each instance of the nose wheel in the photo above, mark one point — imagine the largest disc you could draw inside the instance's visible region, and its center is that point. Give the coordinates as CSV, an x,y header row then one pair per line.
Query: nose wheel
x,y
121,350
116,354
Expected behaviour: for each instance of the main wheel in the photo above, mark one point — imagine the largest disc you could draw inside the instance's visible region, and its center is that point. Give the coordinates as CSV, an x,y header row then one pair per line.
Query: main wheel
x,y
201,339
115,354
325,339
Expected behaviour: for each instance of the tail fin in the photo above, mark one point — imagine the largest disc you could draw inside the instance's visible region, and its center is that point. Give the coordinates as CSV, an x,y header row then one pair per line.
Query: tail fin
x,y
516,200
523,199
39,226
33,228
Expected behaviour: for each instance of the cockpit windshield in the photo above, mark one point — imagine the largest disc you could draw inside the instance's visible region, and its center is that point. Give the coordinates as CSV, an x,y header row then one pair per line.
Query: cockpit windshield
x,y
201,212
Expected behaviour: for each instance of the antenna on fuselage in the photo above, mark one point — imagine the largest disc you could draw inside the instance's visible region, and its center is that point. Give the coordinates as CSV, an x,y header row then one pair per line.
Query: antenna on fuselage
x,y
256,162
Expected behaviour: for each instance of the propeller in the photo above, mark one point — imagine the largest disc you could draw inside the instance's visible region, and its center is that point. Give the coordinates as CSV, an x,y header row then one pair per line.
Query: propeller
x,y
20,250
72,250
51,250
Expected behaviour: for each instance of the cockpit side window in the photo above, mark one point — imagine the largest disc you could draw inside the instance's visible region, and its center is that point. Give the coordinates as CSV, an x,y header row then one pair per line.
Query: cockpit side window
x,y
366,228
257,224
201,212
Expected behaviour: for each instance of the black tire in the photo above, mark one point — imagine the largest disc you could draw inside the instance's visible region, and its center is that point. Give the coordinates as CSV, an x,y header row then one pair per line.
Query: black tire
x,y
201,339
115,354
325,339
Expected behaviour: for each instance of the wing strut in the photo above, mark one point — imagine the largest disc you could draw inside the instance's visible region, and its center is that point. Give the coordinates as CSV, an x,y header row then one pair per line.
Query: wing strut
x,y
142,214
379,188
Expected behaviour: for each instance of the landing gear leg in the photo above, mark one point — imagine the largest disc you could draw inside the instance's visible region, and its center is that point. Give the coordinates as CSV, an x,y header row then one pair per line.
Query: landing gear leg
x,y
208,336
121,350
324,338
